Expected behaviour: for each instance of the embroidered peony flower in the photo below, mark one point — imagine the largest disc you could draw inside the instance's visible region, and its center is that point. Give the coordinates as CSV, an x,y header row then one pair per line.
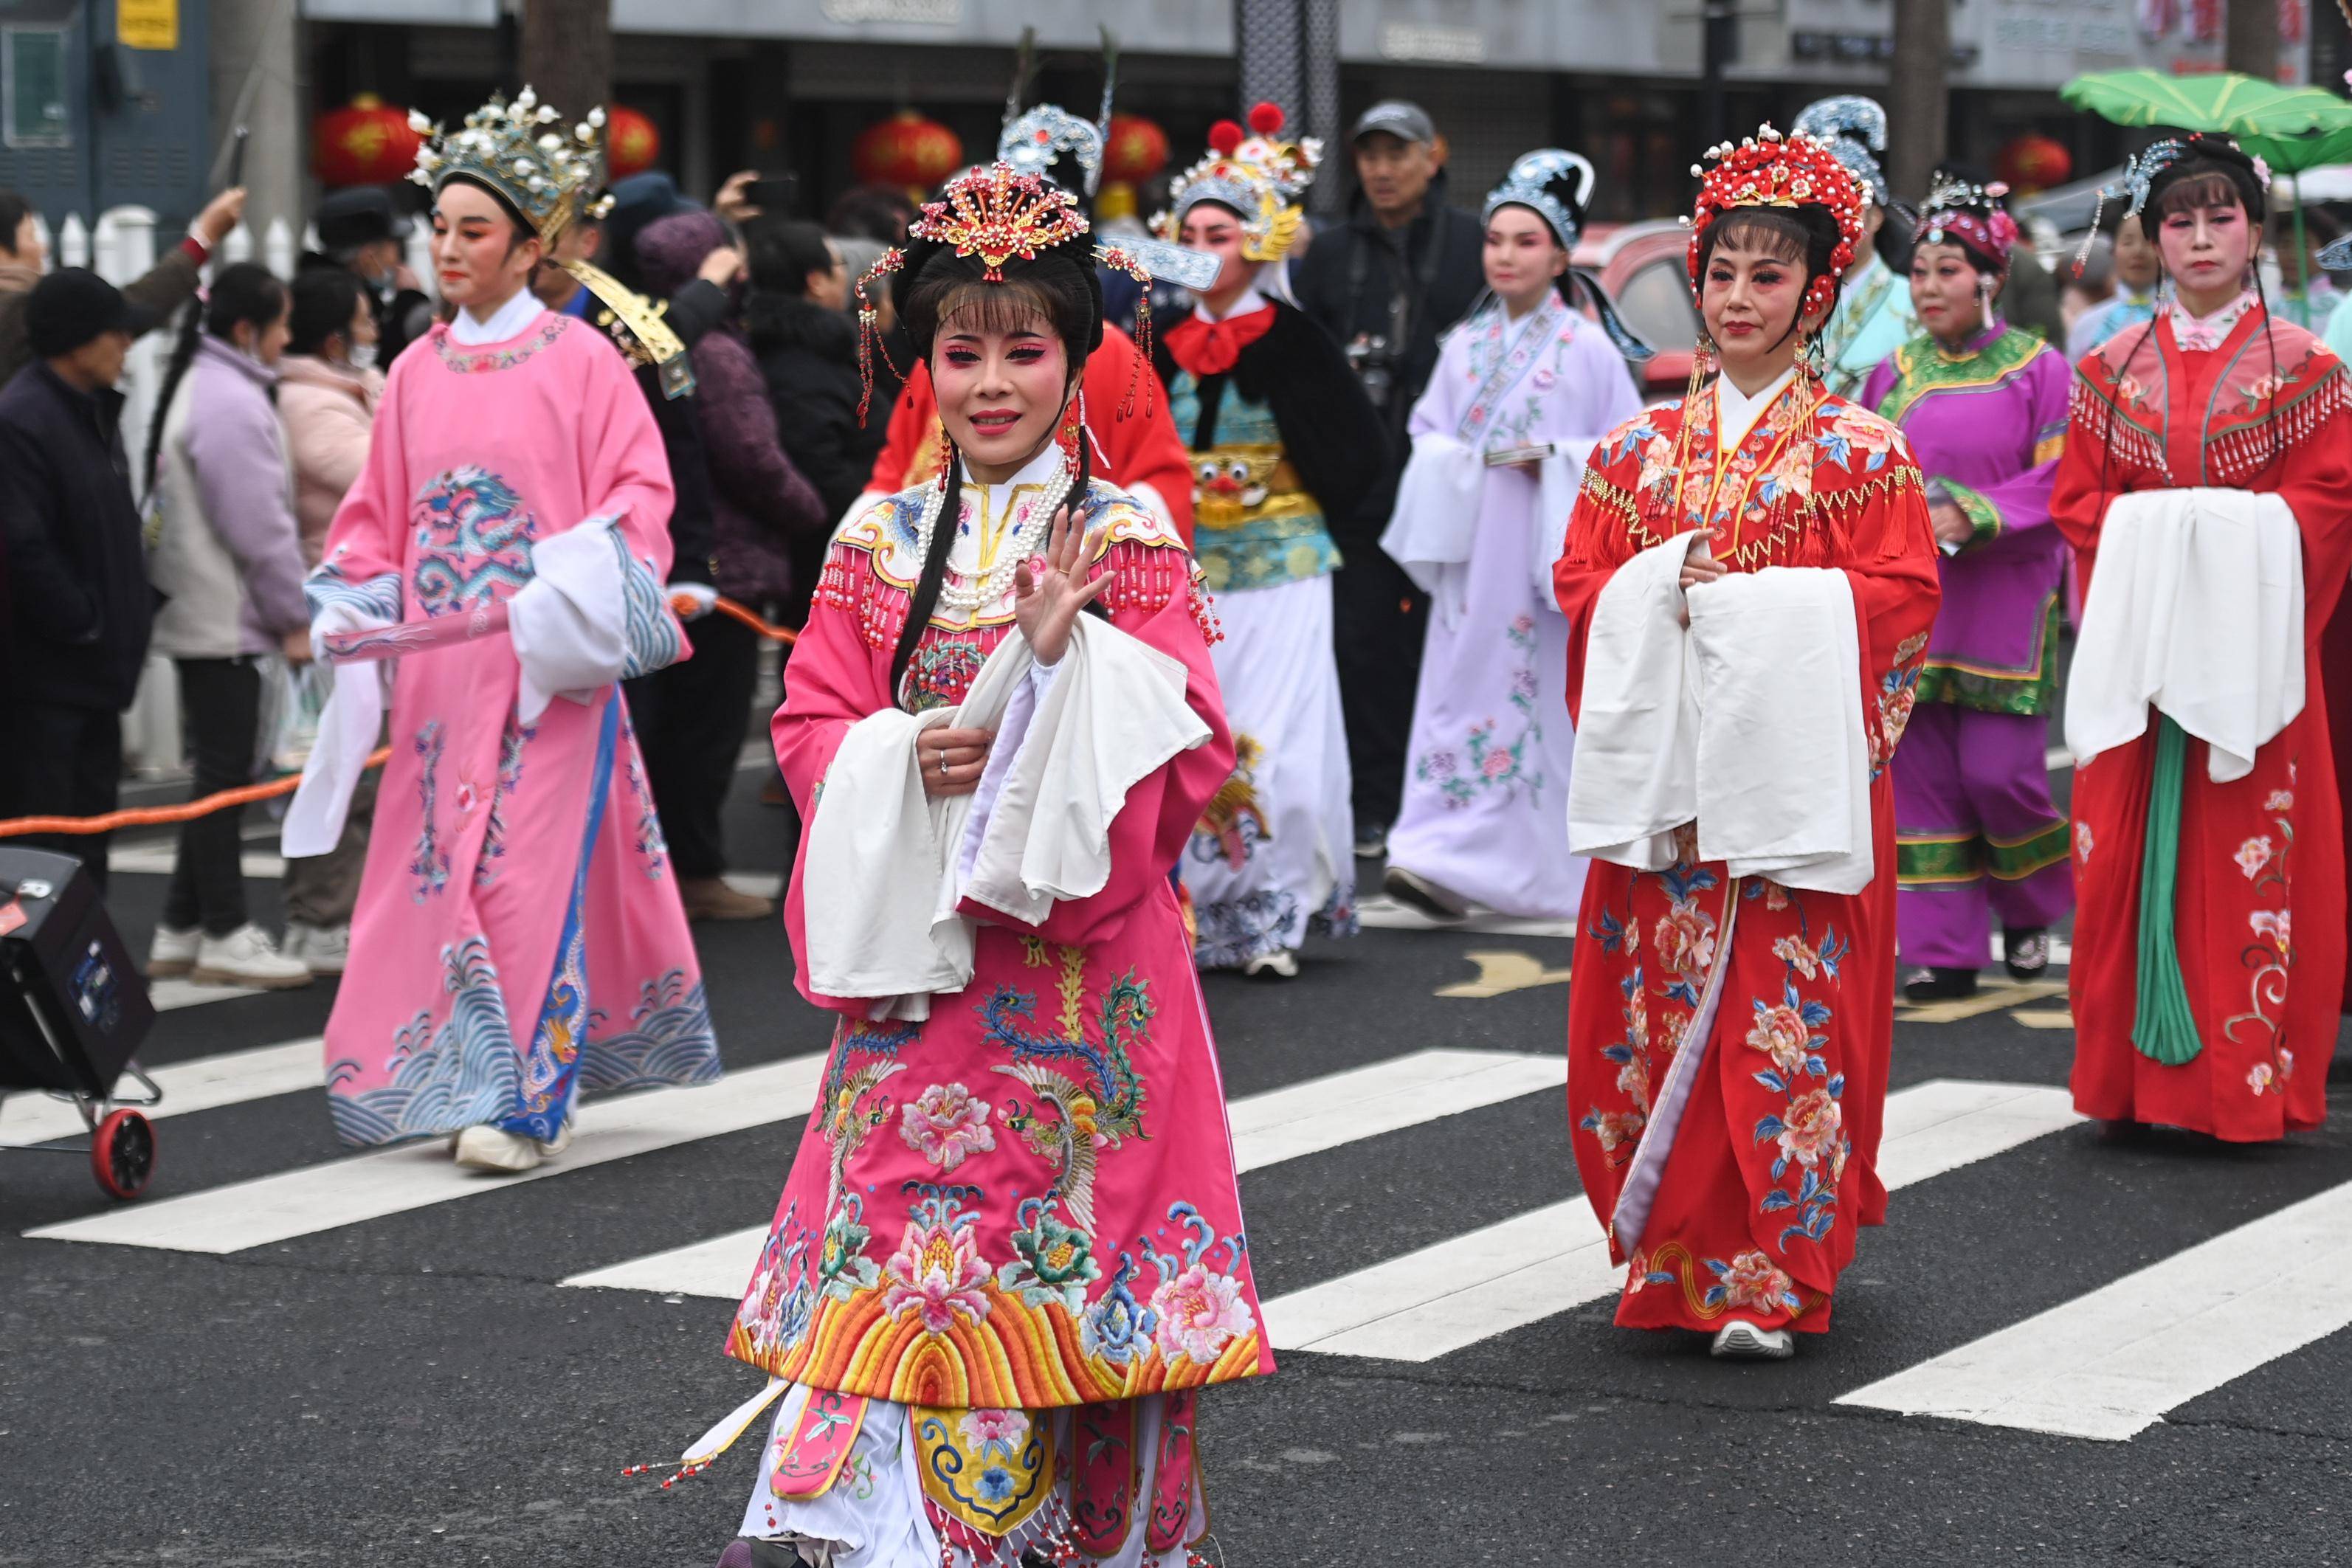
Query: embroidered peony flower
x,y
1684,938
1781,1032
1809,1128
1672,1029
2275,924
2082,843
1000,1431
1658,464
1117,1328
945,1124
1523,624
1775,897
936,1275
1200,1314
995,1484
1523,684
2254,854
1441,763
1543,378
1633,1078
1498,764
2259,1080
1799,954
2280,800
1752,1281
1614,1128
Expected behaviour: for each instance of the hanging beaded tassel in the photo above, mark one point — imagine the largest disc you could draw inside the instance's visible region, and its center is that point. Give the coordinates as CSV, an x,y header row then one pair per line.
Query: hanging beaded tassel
x,y
870,330
1702,367
1114,257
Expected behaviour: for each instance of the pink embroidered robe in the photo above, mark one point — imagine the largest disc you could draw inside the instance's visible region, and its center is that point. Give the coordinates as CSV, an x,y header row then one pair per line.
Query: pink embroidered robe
x,y
518,937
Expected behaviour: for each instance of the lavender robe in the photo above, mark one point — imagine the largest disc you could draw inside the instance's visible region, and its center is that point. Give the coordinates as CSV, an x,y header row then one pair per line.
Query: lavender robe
x,y
1485,795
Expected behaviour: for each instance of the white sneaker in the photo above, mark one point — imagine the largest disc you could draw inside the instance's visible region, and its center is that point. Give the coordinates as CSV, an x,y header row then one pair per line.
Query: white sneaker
x,y
1282,964
173,953
247,956
322,949
1738,1341
496,1149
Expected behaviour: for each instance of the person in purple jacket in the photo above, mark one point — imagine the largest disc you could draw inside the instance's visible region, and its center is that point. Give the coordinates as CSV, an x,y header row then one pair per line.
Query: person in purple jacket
x,y
226,555
1984,404
694,715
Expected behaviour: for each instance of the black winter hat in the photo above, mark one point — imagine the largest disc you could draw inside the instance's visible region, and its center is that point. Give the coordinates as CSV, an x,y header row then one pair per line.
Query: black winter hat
x,y
72,306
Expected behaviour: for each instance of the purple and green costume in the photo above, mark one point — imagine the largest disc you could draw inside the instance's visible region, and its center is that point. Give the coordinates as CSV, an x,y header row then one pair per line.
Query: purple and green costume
x,y
1977,835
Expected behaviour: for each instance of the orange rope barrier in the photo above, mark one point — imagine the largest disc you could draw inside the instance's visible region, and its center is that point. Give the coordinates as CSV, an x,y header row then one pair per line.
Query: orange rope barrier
x,y
774,633
161,816
155,816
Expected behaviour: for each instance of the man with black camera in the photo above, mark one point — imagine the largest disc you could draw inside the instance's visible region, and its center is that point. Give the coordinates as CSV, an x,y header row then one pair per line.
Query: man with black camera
x,y
1386,284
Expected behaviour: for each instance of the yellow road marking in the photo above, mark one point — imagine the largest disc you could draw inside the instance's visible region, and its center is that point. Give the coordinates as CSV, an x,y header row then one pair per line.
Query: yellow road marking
x,y
1990,997
1503,972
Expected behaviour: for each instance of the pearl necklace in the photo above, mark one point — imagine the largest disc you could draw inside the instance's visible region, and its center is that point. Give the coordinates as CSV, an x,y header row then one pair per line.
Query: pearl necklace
x,y
962,597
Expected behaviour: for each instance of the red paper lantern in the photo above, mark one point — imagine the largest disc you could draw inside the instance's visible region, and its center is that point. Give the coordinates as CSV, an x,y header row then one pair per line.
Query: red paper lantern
x,y
1135,150
632,143
2033,162
907,150
368,142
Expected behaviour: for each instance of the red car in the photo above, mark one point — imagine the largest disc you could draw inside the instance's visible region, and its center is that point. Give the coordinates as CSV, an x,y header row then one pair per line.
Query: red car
x,y
1643,267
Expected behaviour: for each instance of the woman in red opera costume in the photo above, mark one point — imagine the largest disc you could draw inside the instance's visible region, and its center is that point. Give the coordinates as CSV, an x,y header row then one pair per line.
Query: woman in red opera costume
x,y
1009,1254
2218,391
1728,1033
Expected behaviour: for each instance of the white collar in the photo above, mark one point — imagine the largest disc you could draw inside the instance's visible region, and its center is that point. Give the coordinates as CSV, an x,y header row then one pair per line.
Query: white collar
x,y
1037,471
1250,299
508,321
1736,413
993,514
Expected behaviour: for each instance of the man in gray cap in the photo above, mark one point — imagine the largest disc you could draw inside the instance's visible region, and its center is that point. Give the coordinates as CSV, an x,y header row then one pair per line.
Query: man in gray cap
x,y
1403,268
361,231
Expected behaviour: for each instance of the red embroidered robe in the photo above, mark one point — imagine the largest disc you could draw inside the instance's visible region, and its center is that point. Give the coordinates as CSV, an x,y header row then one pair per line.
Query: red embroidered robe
x,y
1774,1162
2259,906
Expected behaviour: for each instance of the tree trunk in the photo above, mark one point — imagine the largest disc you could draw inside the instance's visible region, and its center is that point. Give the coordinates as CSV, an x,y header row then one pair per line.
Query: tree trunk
x,y
1919,94
2251,41
567,53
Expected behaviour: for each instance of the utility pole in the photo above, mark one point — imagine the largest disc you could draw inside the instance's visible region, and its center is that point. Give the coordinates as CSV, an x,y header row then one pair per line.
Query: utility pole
x,y
2249,39
1918,92
1718,45
567,53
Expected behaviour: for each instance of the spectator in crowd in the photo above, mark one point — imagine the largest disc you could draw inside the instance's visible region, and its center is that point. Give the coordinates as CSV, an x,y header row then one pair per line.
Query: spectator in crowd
x,y
79,608
164,289
1403,268
879,213
328,390
363,234
2137,274
692,716
227,559
2089,281
807,350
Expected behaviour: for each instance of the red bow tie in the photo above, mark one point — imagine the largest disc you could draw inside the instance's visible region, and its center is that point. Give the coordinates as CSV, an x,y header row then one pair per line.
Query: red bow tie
x,y
1212,347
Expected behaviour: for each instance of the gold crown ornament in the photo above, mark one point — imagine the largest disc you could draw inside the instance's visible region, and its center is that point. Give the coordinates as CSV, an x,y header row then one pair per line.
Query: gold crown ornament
x,y
554,178
1260,176
999,213
523,152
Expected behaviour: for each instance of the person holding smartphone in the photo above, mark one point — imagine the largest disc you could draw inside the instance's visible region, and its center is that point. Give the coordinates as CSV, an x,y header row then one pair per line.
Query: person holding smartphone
x,y
1522,389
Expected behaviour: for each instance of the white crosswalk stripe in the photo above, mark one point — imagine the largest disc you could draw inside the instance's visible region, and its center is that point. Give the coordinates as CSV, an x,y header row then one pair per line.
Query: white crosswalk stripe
x,y
1287,1124
1438,1299
202,1085
394,1181
2108,1364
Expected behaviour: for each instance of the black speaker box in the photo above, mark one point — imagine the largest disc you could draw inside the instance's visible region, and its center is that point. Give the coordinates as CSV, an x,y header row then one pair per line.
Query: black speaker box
x,y
73,1009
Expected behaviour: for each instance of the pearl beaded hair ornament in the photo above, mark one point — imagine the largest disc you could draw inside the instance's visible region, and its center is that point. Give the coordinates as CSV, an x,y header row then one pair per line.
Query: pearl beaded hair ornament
x,y
1769,170
521,152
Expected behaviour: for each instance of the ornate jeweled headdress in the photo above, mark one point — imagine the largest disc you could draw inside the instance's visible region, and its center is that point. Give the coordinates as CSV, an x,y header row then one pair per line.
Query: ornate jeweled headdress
x,y
553,178
1855,126
1769,170
523,152
1033,141
1001,216
1255,173
1967,213
2140,173
1553,183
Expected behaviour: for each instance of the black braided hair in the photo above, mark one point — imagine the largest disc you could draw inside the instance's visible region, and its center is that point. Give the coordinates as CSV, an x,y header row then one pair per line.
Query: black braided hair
x,y
244,291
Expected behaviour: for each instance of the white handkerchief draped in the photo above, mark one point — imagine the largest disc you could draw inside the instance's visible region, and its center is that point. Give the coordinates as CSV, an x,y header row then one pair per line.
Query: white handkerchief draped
x,y
2196,609
888,867
571,621
1749,724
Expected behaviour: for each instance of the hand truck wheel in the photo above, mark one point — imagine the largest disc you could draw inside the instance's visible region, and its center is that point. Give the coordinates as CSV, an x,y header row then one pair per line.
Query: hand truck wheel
x,y
122,1154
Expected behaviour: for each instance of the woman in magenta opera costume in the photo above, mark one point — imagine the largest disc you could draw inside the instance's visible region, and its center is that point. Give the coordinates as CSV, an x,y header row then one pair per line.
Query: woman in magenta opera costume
x,y
522,936
1729,1027
1526,376
1977,836
1009,1254
2209,945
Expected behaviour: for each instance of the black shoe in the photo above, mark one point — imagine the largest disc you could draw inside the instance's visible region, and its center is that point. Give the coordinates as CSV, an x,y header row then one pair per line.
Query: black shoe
x,y
2026,951
1417,891
1371,843
1939,985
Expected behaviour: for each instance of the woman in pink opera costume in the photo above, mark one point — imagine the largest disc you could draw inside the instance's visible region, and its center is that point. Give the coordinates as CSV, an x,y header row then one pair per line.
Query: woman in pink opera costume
x,y
1524,388
1009,1254
517,935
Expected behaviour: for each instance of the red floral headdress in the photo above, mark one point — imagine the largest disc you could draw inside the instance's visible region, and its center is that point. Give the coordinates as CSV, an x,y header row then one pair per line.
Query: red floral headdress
x,y
1769,170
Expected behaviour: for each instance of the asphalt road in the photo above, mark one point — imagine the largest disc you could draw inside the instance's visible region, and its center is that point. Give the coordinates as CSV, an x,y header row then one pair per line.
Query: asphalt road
x,y
417,1387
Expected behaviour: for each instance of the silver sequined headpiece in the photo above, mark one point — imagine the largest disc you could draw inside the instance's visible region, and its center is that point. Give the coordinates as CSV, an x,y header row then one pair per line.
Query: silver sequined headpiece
x,y
1537,182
